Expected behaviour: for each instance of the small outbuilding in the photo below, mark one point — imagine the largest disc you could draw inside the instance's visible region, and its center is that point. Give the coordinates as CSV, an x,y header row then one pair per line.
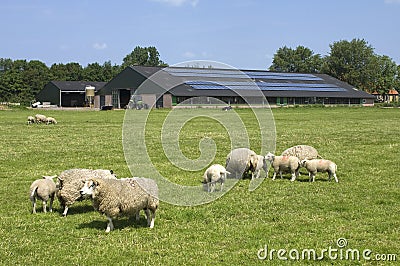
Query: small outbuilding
x,y
72,94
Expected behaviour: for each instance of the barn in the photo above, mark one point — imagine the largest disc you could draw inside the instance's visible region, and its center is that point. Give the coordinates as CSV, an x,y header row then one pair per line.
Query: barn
x,y
172,86
70,93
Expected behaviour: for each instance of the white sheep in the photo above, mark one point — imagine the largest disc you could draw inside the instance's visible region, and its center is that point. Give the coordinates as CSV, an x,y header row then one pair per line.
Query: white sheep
x,y
239,161
71,182
40,118
114,197
214,174
51,120
302,152
43,189
149,185
320,165
284,164
261,164
31,120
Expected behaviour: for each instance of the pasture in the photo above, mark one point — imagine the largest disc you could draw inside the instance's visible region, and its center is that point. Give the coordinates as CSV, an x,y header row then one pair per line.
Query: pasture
x,y
362,208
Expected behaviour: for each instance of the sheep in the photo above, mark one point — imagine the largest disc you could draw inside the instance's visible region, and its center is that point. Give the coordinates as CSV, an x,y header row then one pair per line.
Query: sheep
x,y
320,165
241,160
149,185
71,182
302,152
40,118
43,189
31,120
51,120
261,164
284,163
215,173
114,197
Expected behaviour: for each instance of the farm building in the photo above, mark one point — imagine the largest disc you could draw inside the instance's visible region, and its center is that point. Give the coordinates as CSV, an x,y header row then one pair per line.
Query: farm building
x,y
71,93
168,87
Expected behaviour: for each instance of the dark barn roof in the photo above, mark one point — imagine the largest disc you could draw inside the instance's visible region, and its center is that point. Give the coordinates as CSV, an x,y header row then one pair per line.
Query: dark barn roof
x,y
66,86
186,81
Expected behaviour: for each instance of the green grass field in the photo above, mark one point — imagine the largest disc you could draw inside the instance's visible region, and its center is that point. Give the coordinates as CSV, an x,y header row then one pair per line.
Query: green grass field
x,y
363,207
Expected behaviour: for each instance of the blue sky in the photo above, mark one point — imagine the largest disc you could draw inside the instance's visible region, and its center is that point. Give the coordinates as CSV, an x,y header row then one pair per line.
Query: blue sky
x,y
243,34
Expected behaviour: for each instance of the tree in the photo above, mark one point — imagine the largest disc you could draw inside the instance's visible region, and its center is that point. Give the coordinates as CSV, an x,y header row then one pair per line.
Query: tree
x,y
143,56
351,62
301,59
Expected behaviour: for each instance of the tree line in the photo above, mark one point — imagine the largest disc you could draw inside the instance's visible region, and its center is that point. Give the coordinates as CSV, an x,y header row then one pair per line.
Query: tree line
x,y
354,62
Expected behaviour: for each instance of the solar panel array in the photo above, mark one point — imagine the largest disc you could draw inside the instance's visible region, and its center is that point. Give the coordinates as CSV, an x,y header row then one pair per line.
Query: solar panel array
x,y
264,86
237,74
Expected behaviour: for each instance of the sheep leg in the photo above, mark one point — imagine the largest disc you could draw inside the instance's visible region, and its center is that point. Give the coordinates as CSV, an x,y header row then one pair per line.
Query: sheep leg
x,y
65,211
150,217
33,204
280,173
273,177
336,179
293,176
51,204
110,225
44,206
137,215
222,185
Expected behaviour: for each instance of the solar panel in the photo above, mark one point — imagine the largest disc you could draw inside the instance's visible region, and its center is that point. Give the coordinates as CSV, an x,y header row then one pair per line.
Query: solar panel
x,y
232,73
207,85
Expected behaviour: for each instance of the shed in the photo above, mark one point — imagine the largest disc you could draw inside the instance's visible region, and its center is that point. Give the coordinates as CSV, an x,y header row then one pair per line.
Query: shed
x,y
68,93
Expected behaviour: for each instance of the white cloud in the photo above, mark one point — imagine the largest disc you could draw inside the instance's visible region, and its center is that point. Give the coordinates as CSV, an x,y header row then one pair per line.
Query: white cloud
x,y
392,1
189,55
99,46
178,2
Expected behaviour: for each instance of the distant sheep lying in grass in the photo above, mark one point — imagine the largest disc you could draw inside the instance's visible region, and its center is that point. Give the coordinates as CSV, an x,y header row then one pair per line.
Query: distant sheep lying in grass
x,y
71,182
40,119
302,152
214,174
43,189
31,120
51,120
284,164
320,165
114,198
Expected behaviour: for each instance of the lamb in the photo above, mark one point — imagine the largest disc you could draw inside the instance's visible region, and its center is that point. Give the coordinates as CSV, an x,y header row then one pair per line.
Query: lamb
x,y
320,165
114,197
302,152
51,120
261,164
31,120
215,173
40,118
241,160
71,182
43,189
284,163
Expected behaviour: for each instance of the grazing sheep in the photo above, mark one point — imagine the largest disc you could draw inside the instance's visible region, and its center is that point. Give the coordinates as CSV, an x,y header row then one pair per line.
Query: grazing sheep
x,y
71,182
40,118
284,163
302,152
43,189
51,120
261,164
31,120
149,185
215,173
320,165
239,161
114,198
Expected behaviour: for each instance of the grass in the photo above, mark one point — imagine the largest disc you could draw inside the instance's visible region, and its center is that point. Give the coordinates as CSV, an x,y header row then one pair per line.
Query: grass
x,y
362,208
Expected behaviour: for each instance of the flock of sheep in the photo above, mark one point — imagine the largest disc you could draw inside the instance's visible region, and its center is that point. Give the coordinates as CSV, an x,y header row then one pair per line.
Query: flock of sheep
x,y
39,119
241,161
110,196
128,196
